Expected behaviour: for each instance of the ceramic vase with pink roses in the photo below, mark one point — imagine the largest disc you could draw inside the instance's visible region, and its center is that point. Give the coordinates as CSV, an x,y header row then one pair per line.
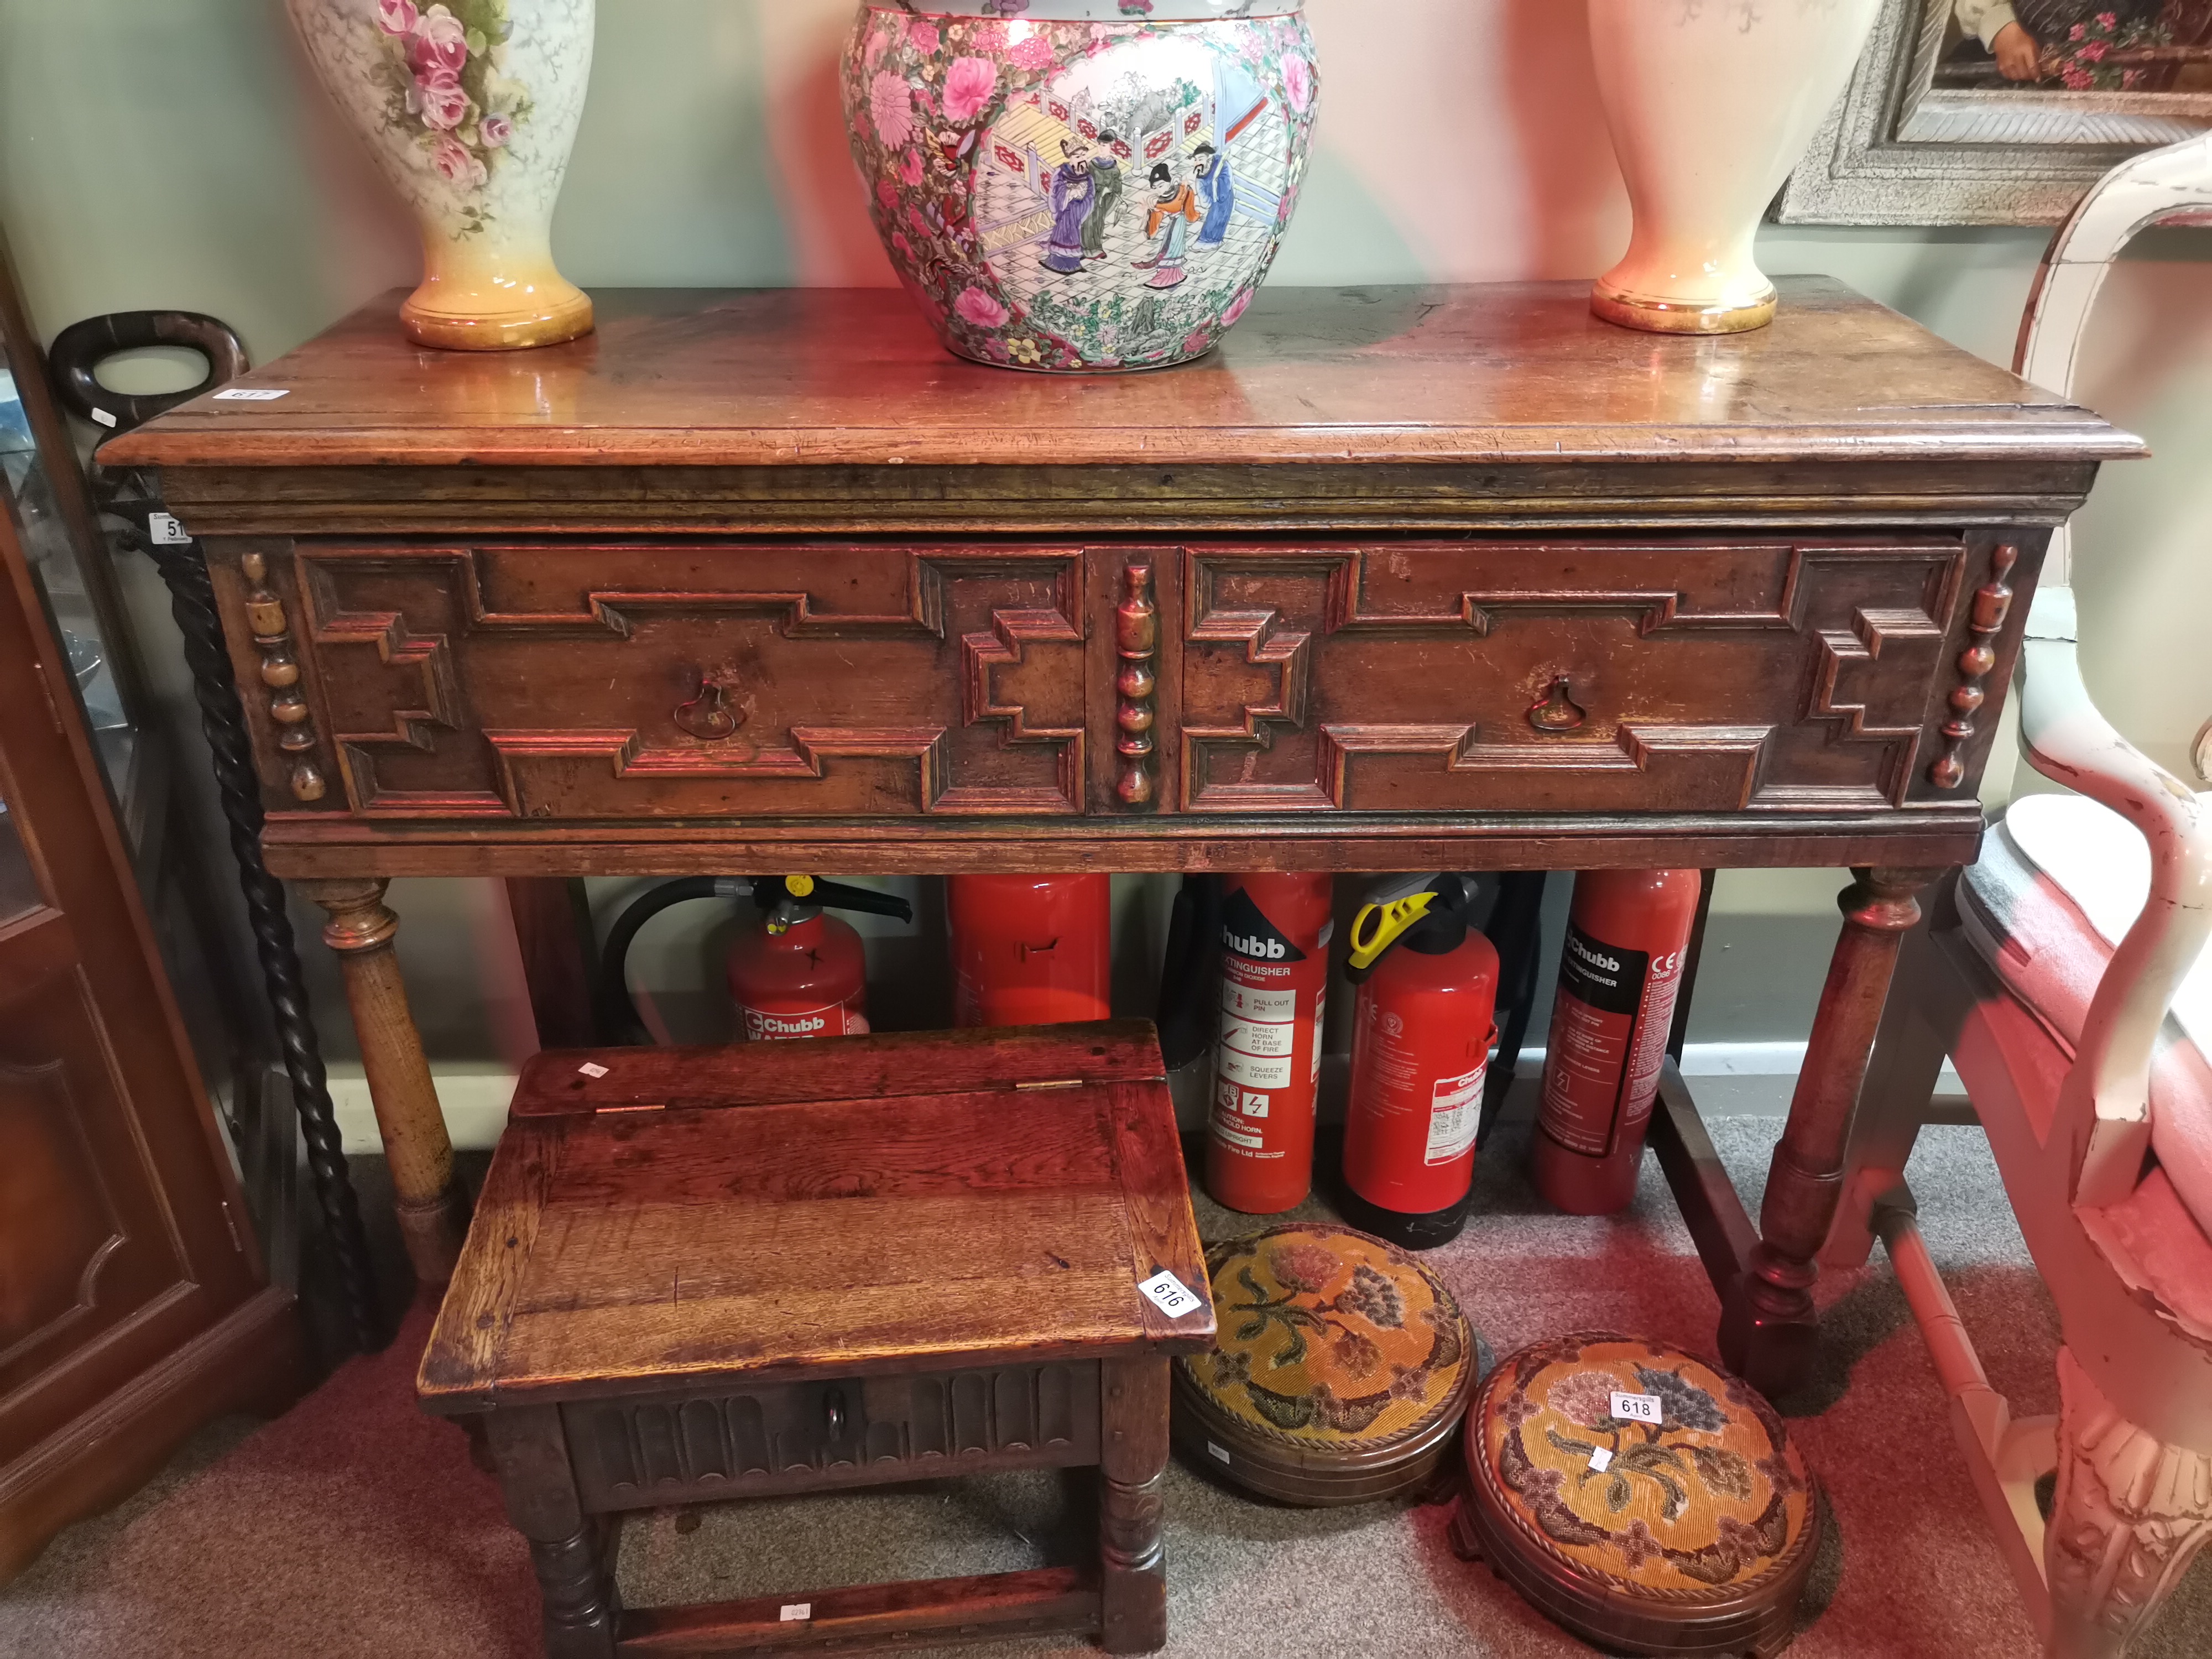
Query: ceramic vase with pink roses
x,y
470,108
1081,185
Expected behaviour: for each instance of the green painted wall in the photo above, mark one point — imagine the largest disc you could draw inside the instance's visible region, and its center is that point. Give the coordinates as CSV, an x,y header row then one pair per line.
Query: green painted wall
x,y
173,153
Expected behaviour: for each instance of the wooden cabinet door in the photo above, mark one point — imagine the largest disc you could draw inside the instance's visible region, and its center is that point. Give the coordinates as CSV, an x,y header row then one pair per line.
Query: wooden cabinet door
x,y
132,1302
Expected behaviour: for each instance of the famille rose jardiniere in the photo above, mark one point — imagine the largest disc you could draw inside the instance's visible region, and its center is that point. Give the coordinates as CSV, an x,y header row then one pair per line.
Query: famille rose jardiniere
x,y
1081,185
470,108
1712,104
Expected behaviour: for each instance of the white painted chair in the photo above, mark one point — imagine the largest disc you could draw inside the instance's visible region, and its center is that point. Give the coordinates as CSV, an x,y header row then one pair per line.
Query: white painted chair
x,y
2047,974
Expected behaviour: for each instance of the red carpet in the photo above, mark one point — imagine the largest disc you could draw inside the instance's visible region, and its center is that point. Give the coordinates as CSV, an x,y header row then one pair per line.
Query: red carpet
x,y
355,1527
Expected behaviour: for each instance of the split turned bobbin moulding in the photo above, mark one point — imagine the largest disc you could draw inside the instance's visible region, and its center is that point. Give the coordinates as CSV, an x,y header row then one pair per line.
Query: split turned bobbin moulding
x,y
1397,578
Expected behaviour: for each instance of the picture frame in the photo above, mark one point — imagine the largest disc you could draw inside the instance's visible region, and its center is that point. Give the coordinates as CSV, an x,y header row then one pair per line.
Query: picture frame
x,y
1929,133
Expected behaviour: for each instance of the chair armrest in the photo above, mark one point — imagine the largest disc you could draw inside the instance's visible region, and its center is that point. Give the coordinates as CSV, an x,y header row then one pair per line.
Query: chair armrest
x,y
2105,1106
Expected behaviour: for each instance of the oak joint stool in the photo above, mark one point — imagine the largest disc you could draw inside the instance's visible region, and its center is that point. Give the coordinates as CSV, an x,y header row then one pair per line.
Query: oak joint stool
x,y
703,1274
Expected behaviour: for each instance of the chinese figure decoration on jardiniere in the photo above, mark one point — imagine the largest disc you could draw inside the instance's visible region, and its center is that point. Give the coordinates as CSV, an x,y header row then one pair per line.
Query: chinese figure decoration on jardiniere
x,y
470,108
1081,185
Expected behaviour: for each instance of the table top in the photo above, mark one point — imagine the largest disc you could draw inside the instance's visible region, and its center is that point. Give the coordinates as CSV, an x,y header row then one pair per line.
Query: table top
x,y
1508,374
973,1197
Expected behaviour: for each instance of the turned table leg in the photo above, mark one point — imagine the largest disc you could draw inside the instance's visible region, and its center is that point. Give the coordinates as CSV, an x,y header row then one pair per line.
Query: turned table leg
x,y
569,1551
433,1211
1133,1460
2130,1514
1768,1331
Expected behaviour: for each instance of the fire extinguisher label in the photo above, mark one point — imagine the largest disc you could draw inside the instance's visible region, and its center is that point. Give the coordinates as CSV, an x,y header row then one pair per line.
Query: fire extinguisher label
x,y
1270,1002
1455,1114
1252,1070
1235,1111
1252,1036
1248,1002
1608,1041
836,1020
1259,1035
1600,990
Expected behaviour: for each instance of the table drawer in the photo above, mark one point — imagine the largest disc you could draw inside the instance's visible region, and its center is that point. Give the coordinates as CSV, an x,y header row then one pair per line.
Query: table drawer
x,y
803,1437
1707,676
576,681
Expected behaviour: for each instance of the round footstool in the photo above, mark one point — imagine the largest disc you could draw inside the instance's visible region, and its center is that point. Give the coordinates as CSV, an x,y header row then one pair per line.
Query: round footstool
x,y
1342,1369
1644,1501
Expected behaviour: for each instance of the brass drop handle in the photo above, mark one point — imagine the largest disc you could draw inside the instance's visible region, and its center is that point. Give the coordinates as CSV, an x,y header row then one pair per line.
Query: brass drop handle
x,y
712,714
833,1413
1557,710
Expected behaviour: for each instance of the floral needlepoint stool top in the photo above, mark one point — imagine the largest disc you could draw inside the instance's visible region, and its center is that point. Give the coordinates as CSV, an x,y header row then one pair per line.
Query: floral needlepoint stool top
x,y
1640,1496
1342,1368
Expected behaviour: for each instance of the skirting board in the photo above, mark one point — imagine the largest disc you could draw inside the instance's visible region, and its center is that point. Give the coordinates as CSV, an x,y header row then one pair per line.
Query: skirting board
x,y
1731,1080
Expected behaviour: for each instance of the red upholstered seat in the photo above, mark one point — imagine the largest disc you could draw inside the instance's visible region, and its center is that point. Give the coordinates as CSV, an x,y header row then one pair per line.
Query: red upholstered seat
x,y
2059,885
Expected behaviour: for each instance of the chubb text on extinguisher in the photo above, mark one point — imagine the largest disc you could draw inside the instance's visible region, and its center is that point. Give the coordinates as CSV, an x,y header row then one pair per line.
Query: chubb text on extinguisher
x,y
1261,950
1596,959
762,1024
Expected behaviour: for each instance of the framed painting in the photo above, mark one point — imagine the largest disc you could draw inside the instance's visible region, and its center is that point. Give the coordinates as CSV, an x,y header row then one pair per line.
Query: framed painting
x,y
2003,112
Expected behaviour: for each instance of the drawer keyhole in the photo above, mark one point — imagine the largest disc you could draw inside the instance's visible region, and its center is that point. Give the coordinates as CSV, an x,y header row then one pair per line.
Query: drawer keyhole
x,y
1557,710
712,716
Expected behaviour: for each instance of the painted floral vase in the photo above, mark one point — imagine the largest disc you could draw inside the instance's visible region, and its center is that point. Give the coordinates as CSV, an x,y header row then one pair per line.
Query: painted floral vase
x,y
1712,104
1082,185
470,108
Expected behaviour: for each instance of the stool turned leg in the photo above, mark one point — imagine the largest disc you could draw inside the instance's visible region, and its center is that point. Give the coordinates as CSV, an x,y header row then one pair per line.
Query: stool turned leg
x,y
569,1550
578,1593
1133,1465
433,1215
1768,1329
2130,1514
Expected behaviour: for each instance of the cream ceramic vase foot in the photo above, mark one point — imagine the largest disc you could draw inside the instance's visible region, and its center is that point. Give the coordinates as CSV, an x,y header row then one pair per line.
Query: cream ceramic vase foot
x,y
1712,103
469,107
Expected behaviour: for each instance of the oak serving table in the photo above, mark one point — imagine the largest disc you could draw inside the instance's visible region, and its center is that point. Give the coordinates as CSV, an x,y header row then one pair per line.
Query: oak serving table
x,y
693,1278
1399,579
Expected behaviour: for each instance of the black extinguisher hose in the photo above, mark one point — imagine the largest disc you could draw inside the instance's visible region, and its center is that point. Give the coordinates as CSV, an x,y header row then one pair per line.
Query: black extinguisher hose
x,y
616,1016
1189,1016
1516,928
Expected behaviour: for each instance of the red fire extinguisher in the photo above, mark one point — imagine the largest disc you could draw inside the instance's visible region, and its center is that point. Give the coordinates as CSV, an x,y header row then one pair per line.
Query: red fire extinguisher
x,y
1420,1050
1627,937
1031,950
1275,931
801,972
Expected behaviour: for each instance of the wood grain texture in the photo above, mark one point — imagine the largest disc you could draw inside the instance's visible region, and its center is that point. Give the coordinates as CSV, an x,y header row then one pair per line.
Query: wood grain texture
x,y
133,1301
552,921
474,1317
1147,1155
854,378
765,1241
778,1074
1048,1601
1931,836
724,1442
433,1207
1430,498
1132,1508
1719,1226
1768,1326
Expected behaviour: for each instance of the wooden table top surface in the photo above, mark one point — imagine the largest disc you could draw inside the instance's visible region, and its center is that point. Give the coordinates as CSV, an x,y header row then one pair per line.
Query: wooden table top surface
x,y
982,1196
1507,374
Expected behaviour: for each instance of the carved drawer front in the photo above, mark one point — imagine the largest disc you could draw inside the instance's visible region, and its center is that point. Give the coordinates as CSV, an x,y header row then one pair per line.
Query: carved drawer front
x,y
581,682
801,1437
1670,677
